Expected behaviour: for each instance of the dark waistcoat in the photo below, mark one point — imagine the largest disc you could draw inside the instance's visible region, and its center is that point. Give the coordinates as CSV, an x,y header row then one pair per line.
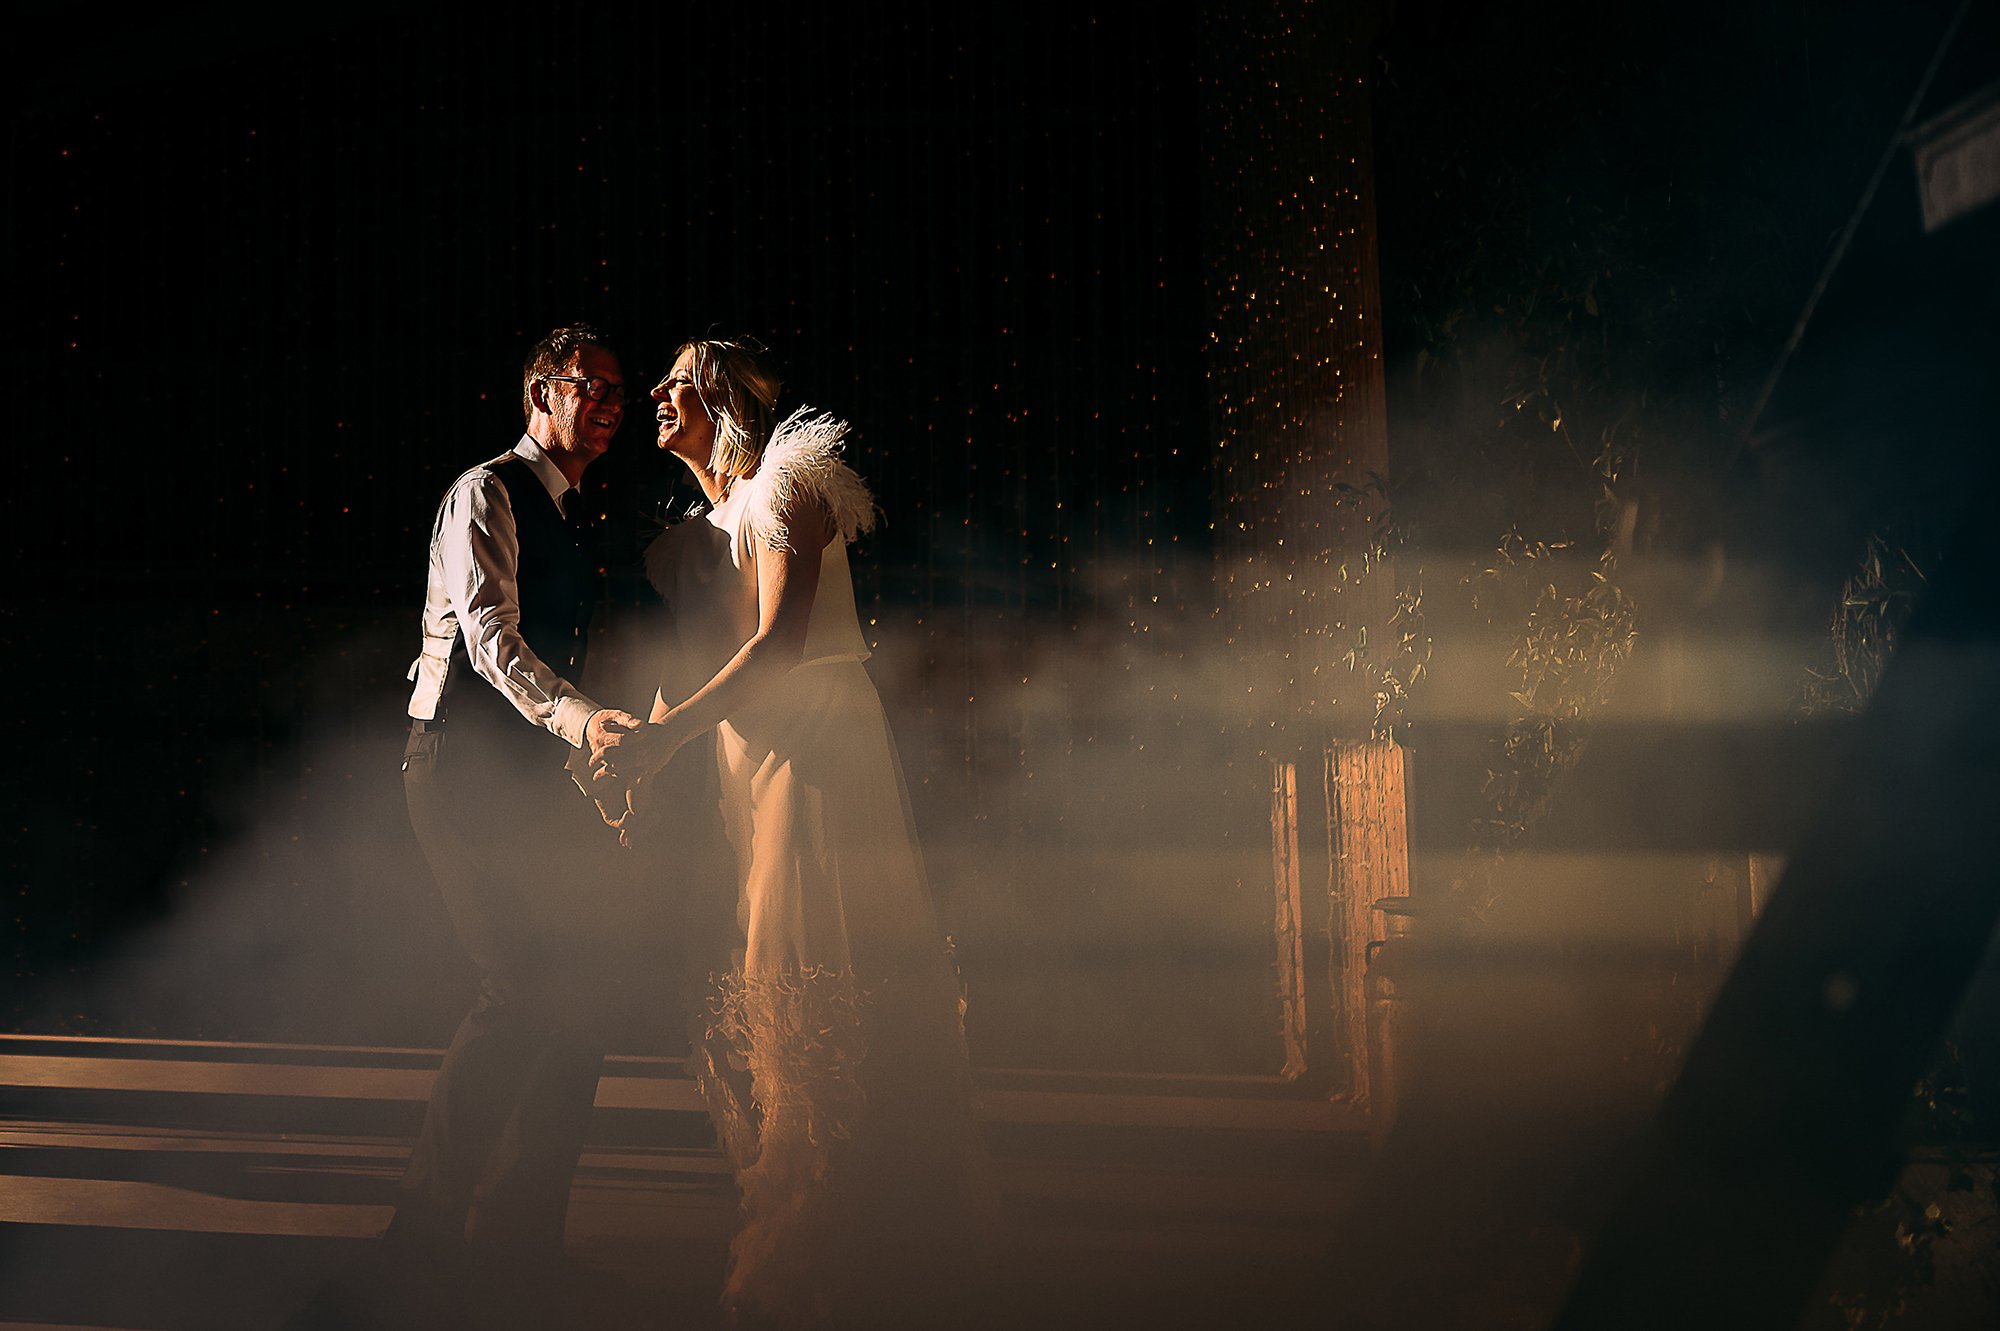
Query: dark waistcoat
x,y
556,587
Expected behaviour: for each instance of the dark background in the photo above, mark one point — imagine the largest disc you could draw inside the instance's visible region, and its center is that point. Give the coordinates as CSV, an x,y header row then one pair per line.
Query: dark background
x,y
271,286
286,276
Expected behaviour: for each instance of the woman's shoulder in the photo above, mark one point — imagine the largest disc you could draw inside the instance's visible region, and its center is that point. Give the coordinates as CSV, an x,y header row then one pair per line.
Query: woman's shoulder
x,y
659,561
802,463
670,545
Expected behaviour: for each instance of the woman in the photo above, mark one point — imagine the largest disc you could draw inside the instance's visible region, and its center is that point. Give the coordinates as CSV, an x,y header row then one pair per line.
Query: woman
x,y
864,1191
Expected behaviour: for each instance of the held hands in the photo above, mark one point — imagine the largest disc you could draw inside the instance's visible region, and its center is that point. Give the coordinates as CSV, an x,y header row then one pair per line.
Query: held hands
x,y
628,755
619,767
623,807
611,797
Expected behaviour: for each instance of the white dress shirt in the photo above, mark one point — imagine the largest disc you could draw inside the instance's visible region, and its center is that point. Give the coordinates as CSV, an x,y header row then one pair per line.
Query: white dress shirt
x,y
475,553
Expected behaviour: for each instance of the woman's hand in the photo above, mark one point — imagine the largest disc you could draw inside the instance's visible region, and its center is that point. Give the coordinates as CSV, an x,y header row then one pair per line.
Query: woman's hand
x,y
612,797
638,802
622,807
614,809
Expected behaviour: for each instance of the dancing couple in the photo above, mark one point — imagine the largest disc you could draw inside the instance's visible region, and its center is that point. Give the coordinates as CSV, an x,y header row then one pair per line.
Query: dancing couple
x,y
832,1051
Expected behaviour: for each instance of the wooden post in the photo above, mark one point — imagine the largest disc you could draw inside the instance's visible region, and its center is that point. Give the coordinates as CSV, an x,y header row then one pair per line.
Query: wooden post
x,y
1288,928
1764,872
1368,848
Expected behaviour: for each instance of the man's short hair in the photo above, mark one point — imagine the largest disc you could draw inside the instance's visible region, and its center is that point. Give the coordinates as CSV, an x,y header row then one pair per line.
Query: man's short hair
x,y
555,354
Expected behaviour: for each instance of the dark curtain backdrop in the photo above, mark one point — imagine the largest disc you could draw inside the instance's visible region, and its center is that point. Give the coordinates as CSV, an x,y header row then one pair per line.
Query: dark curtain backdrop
x,y
271,290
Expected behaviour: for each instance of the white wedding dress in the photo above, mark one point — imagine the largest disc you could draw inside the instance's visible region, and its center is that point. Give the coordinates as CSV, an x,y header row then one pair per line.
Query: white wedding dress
x,y
865,1192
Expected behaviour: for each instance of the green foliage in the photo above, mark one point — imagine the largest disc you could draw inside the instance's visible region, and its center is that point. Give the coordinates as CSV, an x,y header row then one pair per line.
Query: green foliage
x,y
1897,1252
1390,662
1862,629
1890,1255
1574,629
1537,344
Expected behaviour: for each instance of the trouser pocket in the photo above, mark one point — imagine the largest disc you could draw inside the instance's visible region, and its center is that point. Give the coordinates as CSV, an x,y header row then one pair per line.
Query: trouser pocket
x,y
421,747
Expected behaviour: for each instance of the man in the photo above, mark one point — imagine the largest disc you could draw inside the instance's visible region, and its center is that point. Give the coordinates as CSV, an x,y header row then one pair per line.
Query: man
x,y
494,716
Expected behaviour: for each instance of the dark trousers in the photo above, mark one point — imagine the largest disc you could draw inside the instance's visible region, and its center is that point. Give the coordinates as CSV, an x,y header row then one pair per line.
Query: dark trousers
x,y
518,855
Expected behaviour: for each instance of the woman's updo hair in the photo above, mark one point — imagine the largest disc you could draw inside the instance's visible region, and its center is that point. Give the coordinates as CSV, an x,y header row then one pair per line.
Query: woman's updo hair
x,y
740,394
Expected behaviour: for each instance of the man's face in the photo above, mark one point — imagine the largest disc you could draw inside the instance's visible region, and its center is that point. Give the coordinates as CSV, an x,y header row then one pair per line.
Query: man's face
x,y
578,425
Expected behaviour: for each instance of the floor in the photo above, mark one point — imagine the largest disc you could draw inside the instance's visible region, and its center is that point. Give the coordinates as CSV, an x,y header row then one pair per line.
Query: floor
x,y
163,1186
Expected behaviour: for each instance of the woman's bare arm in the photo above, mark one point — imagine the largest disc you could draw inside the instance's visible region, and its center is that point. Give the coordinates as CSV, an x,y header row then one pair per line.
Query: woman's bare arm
x,y
787,583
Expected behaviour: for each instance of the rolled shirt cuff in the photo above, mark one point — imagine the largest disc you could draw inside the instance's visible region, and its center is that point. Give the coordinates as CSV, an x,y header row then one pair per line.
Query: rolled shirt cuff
x,y
573,713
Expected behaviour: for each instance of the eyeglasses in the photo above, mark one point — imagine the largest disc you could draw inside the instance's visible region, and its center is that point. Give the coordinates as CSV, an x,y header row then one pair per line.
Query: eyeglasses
x,y
597,390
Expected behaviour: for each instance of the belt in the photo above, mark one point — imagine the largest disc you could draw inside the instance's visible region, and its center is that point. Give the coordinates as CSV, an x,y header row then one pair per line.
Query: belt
x,y
419,726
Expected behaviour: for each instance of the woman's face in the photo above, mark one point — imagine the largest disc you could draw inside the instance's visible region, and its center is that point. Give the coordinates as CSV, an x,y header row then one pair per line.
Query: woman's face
x,y
685,429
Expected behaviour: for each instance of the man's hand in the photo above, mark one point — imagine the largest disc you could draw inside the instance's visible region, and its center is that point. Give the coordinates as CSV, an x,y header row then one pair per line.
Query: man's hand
x,y
604,723
627,756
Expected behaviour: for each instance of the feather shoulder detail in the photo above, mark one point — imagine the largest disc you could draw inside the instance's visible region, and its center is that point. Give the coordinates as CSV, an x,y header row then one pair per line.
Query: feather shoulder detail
x,y
803,461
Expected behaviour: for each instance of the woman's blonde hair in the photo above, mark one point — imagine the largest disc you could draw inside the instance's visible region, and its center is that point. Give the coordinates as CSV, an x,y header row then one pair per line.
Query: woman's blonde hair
x,y
740,394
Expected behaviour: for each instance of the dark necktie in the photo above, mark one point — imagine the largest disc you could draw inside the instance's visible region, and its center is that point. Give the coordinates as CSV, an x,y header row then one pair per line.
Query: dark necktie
x,y
576,518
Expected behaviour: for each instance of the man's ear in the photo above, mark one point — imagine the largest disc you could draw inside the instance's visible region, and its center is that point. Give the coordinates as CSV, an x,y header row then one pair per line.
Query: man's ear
x,y
538,395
